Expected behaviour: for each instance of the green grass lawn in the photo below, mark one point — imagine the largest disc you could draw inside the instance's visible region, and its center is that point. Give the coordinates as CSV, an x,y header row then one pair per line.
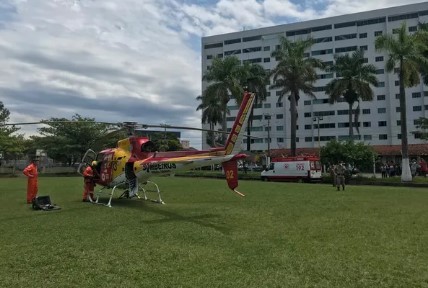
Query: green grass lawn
x,y
279,235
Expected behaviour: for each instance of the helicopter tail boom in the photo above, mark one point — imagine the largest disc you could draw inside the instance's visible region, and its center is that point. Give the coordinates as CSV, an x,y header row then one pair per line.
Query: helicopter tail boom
x,y
233,143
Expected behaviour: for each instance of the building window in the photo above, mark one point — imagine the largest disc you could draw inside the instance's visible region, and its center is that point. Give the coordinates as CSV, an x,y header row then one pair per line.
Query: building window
x,y
397,96
308,114
279,104
399,123
380,97
266,48
398,109
253,38
279,116
416,95
364,47
323,39
380,84
395,31
266,60
381,123
209,57
308,139
367,124
379,58
345,37
363,35
232,41
380,71
232,52
365,111
417,108
280,140
307,102
345,49
413,28
322,52
266,105
279,128
367,137
215,45
381,110
397,83
383,137
377,33
308,127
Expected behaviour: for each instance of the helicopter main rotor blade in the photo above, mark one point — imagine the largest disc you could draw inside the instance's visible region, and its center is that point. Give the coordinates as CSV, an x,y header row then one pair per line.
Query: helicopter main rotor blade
x,y
166,126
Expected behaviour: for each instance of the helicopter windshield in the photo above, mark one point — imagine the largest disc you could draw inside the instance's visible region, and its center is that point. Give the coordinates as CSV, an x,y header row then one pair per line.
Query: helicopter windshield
x,y
149,146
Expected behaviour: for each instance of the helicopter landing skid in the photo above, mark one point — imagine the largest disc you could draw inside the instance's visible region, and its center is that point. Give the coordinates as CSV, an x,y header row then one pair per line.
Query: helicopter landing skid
x,y
101,192
159,200
125,193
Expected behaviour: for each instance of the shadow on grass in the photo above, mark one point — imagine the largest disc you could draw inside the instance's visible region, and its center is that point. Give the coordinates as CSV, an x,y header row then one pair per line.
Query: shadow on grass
x,y
169,216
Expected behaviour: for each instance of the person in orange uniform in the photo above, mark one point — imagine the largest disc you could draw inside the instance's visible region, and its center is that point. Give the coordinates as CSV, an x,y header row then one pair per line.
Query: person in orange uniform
x,y
89,184
32,184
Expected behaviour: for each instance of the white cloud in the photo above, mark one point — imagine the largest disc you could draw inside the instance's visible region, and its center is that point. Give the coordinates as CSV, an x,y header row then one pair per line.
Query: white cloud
x,y
128,60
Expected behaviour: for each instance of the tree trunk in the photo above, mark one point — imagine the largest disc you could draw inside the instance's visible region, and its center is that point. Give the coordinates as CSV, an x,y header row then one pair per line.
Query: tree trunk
x,y
406,175
293,122
351,128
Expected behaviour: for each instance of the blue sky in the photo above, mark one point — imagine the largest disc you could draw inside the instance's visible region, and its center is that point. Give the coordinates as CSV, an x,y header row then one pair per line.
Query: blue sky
x,y
128,60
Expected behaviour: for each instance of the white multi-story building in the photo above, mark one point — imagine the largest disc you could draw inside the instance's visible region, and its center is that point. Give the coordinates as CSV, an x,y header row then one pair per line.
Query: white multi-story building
x,y
379,120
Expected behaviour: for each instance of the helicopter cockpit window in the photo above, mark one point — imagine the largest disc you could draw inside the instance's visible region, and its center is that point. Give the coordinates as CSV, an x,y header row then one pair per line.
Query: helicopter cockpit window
x,y
148,147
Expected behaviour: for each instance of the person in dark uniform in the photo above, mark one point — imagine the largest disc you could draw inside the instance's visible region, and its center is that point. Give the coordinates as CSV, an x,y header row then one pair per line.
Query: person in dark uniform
x,y
340,176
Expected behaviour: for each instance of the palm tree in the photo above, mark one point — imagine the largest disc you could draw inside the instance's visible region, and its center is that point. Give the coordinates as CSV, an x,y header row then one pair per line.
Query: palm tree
x,y
211,113
422,36
406,51
352,82
294,73
224,84
255,80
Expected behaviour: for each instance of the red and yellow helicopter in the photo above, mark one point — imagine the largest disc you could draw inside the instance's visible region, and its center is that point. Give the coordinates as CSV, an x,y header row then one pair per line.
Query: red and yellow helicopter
x,y
131,164
133,161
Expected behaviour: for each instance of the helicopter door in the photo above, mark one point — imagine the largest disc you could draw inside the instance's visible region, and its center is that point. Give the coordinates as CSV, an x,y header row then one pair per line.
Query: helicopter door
x,y
106,167
87,159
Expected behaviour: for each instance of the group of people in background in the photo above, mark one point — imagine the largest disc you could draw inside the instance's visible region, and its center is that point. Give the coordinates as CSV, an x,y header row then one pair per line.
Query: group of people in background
x,y
392,169
31,171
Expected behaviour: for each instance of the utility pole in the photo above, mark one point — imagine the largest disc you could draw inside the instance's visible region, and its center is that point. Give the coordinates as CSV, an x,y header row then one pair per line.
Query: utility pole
x,y
318,118
268,118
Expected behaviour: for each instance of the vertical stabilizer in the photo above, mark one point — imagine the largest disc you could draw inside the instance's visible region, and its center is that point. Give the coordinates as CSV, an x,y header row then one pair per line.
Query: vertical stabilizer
x,y
233,143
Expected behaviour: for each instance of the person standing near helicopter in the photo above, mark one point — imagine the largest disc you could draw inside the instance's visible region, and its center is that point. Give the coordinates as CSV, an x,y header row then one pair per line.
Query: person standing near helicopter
x,y
32,184
88,181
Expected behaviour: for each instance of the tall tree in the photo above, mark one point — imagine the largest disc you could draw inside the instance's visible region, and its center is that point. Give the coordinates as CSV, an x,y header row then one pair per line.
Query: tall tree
x,y
11,145
254,79
422,36
211,113
294,73
405,51
67,140
224,84
353,80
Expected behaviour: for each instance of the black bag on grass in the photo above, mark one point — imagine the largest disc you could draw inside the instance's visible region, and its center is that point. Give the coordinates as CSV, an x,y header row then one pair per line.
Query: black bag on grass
x,y
44,203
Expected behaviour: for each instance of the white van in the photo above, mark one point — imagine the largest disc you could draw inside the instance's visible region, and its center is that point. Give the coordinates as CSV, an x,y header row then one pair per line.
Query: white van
x,y
300,168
